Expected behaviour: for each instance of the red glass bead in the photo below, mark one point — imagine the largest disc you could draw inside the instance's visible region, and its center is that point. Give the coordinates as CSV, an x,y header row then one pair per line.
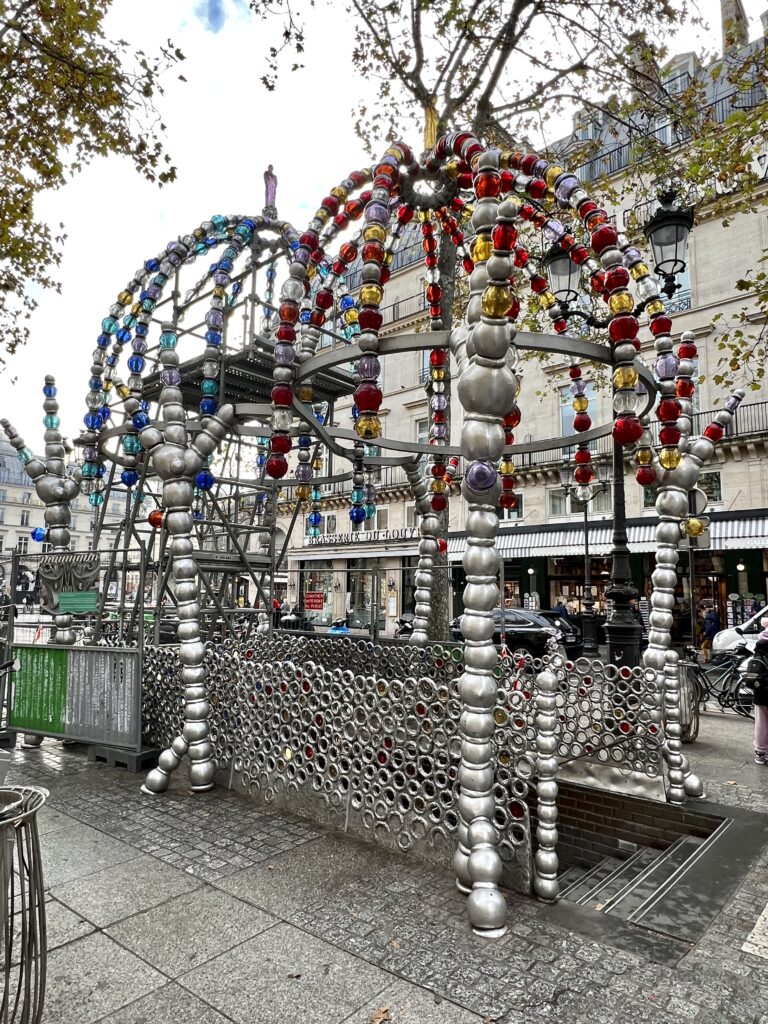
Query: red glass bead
x,y
487,183
438,357
574,372
604,237
405,214
685,388
668,409
539,219
616,278
516,160
527,211
581,422
373,252
714,432
536,188
438,471
309,239
623,328
686,351
438,417
538,283
597,282
341,220
427,228
464,181
439,502
282,394
508,483
338,267
661,325
560,326
528,162
317,318
594,219
155,518
280,444
429,244
582,457
469,264
434,293
324,298
286,333
384,275
504,237
627,430
331,203
645,476
354,208
435,311
288,312
367,398
583,474
277,466
507,181
509,438
669,436
579,254
567,242
442,545
317,256
586,208
508,499
430,260
348,252
370,319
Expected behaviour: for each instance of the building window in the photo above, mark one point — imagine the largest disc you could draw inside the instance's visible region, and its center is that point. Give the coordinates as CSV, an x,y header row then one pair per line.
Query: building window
x,y
382,519
22,545
2,542
560,505
511,513
2,515
422,431
557,503
567,412
711,484
26,498
3,497
411,517
73,524
24,521
330,524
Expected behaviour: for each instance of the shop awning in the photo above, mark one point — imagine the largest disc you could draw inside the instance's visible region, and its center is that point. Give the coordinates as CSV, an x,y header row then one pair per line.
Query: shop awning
x,y
737,534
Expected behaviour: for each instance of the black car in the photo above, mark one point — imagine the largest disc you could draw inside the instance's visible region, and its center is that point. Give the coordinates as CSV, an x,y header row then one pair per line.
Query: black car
x,y
571,634
525,631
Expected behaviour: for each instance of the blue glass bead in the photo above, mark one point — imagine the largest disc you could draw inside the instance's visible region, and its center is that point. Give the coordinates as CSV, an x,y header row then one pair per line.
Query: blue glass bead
x,y
112,359
313,531
197,514
103,340
89,469
209,387
230,253
208,406
24,455
129,320
314,518
316,494
160,280
271,273
123,335
106,412
139,497
101,470
142,330
250,224
167,340
136,363
49,390
346,302
205,480
139,420
354,329
200,248
144,405
294,244
92,420
96,499
244,232
305,440
304,316
261,460
357,514
358,495
148,305
210,243
38,534
152,265
225,264
213,338
129,477
51,422
370,511
109,325
131,444
236,288
355,412
218,221
320,417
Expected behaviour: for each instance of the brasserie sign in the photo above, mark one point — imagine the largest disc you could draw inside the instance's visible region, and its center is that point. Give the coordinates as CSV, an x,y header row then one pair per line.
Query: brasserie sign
x,y
363,537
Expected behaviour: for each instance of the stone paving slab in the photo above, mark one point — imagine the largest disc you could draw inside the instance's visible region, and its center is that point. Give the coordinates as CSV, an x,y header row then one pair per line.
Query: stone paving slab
x,y
124,889
79,850
409,1004
169,1005
284,976
92,977
187,931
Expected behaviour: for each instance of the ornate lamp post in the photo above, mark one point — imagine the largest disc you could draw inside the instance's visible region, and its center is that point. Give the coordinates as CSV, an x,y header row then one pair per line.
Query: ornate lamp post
x,y
586,494
667,231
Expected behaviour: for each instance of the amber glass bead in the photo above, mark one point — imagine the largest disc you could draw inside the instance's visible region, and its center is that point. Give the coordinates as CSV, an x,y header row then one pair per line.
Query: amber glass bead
x,y
303,492
625,377
374,233
639,270
481,250
694,527
669,458
621,302
657,306
580,403
644,457
371,294
496,300
368,427
124,298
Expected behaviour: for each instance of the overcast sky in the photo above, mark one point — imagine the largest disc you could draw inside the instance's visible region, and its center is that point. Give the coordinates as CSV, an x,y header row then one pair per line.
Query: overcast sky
x,y
223,130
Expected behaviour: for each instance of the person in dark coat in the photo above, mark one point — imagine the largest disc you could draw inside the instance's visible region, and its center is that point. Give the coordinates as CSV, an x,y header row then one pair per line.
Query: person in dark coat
x,y
710,628
761,696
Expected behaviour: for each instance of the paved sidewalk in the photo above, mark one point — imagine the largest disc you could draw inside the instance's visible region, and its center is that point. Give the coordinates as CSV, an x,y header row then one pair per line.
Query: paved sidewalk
x,y
204,908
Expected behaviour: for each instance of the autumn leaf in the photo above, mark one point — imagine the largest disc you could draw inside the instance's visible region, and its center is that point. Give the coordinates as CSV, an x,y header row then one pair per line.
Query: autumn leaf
x,y
380,1015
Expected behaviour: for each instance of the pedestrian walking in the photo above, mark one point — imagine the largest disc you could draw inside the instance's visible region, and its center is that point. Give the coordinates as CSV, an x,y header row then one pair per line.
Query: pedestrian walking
x,y
710,628
761,696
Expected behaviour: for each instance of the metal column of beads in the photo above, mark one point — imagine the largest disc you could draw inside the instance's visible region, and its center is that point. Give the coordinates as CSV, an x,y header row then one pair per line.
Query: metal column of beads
x,y
487,389
177,462
545,704
429,526
56,490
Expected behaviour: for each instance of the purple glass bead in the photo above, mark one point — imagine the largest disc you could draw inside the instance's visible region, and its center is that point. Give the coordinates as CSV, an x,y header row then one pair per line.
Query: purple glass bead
x,y
139,346
632,256
368,367
553,231
666,366
171,376
303,472
578,387
284,355
221,278
438,430
370,492
481,476
154,291
176,248
732,404
301,256
565,188
438,402
540,168
376,213
215,318
174,259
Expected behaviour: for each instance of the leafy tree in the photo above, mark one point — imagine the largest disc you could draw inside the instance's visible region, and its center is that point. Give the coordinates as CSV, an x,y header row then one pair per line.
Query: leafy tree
x,y
67,94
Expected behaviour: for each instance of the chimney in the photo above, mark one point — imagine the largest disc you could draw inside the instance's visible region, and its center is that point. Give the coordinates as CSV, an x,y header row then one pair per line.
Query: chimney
x,y
735,26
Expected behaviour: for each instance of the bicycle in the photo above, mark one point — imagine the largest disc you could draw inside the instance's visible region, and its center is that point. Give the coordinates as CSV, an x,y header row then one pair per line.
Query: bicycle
x,y
721,682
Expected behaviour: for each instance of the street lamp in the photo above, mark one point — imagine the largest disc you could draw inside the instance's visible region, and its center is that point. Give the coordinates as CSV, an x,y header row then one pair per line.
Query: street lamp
x,y
667,231
586,494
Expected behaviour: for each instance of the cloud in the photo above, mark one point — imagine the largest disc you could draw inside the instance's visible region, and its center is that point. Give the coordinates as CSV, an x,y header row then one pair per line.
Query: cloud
x,y
211,13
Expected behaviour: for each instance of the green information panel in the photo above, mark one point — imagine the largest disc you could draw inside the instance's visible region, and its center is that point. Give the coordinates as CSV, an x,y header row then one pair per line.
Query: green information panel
x,y
78,601
40,690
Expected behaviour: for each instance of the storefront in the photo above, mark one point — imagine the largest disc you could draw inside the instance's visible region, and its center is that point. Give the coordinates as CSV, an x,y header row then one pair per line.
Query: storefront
x,y
316,588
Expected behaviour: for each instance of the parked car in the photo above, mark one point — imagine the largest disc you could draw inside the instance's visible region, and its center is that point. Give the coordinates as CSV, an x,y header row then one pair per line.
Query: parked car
x,y
526,631
570,632
728,639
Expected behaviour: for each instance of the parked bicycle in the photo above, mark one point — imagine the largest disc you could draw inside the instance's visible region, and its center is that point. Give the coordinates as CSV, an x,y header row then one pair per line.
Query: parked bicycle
x,y
722,683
